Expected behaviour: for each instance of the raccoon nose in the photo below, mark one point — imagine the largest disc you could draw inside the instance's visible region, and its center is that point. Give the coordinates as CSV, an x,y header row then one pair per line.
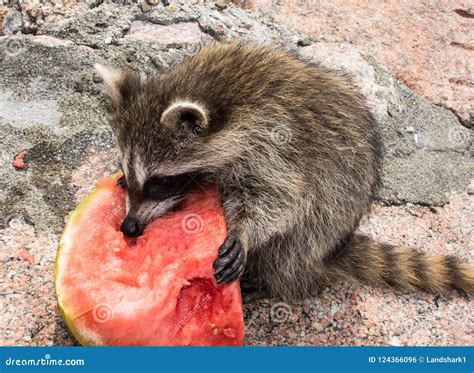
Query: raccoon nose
x,y
131,227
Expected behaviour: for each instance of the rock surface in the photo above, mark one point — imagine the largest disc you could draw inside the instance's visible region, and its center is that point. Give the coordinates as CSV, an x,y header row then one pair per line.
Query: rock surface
x,y
426,45
51,106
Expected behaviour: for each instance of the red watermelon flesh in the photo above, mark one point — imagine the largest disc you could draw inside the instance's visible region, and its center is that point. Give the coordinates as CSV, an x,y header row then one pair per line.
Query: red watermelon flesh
x,y
156,290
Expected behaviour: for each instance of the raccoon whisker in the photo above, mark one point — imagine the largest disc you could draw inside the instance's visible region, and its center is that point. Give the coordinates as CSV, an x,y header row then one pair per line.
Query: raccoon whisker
x,y
158,209
127,204
124,163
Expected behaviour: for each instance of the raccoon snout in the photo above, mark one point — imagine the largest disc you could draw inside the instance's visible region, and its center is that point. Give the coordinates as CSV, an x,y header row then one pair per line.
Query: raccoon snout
x,y
131,227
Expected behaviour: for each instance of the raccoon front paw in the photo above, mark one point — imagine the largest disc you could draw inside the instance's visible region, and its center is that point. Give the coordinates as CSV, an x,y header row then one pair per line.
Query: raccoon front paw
x,y
230,262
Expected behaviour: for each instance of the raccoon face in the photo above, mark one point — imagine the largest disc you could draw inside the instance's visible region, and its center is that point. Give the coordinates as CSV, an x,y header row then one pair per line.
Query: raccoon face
x,y
151,132
153,198
167,129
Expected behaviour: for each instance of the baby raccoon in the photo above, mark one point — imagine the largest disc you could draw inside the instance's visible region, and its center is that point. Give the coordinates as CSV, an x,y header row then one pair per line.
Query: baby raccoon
x,y
295,154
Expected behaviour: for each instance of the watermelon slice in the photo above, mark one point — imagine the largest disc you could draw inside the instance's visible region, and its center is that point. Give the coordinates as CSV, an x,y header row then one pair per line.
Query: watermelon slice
x,y
156,290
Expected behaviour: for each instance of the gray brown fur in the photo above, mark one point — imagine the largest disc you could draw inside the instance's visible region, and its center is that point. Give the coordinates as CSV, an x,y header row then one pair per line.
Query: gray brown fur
x,y
296,156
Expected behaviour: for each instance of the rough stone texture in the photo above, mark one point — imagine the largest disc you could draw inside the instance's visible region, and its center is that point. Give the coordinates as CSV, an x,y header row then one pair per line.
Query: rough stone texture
x,y
416,134
169,35
428,45
51,106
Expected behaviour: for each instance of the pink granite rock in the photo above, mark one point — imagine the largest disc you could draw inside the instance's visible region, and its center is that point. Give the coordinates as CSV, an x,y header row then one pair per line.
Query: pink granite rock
x,y
179,33
353,314
427,45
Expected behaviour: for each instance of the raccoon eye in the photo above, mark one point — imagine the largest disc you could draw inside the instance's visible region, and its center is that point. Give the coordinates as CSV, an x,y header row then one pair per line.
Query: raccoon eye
x,y
165,181
158,187
154,191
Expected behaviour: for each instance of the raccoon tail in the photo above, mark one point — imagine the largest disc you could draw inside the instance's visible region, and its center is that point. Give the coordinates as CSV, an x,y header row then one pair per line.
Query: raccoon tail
x,y
399,267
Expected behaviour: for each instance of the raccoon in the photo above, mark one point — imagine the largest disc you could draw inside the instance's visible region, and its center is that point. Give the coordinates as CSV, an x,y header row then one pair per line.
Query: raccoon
x,y
295,154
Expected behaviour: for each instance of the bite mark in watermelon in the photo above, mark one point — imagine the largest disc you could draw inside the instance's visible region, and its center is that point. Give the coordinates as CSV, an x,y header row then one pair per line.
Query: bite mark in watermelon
x,y
157,290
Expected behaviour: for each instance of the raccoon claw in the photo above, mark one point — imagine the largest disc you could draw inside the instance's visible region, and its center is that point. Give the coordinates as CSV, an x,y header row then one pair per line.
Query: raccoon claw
x,y
230,262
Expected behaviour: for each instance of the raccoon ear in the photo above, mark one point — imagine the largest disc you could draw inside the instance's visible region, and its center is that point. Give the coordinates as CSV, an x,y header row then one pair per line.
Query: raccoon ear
x,y
189,115
113,80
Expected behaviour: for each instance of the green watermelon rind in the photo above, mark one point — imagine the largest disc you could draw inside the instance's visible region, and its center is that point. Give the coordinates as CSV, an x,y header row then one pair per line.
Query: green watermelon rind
x,y
71,222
